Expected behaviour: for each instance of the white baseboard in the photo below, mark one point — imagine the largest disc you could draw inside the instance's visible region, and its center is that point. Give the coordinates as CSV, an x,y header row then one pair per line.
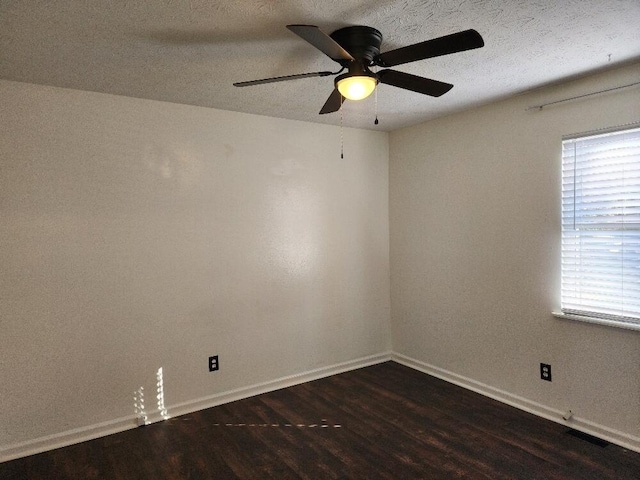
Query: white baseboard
x,y
623,439
90,432
63,439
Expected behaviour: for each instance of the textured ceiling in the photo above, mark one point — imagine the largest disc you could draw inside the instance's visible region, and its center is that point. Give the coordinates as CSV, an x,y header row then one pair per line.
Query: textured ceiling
x,y
191,51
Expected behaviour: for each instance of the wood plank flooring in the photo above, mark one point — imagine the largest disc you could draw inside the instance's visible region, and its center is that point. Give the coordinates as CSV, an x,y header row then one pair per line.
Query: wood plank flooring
x,y
381,422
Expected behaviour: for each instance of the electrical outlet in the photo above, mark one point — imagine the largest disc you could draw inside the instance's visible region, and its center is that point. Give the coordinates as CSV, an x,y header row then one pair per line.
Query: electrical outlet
x,y
545,372
213,363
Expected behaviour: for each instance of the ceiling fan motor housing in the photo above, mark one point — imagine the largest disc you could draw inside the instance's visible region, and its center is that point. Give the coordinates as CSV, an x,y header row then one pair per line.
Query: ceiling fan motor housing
x,y
363,43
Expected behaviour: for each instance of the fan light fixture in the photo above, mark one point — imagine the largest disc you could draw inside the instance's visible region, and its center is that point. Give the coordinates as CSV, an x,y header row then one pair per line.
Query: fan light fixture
x,y
356,87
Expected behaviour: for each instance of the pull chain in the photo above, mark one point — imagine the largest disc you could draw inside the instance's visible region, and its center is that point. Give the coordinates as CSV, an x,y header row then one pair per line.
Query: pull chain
x,y
376,101
341,128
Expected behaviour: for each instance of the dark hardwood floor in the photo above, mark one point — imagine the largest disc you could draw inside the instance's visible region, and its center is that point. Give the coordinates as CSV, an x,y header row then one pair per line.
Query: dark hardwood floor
x,y
385,421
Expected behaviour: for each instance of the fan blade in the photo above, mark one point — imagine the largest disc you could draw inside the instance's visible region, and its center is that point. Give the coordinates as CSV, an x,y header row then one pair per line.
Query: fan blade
x,y
282,79
321,41
407,81
333,103
456,42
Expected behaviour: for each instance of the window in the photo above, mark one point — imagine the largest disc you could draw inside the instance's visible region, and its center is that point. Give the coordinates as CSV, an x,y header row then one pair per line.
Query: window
x,y
601,227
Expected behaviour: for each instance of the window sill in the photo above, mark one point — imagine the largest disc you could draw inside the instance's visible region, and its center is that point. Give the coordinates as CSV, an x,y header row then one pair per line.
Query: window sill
x,y
598,321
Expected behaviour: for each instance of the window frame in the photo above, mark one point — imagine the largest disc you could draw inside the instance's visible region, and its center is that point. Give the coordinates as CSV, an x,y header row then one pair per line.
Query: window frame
x,y
622,321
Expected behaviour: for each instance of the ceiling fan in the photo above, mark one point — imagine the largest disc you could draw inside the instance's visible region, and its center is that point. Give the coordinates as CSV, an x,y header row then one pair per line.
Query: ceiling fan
x,y
357,48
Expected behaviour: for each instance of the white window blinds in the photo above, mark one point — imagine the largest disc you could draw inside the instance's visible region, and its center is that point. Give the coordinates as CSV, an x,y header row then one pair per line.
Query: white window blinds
x,y
601,226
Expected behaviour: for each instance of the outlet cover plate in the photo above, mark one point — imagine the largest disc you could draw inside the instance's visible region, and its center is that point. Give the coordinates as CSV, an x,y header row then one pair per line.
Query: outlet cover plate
x,y
545,372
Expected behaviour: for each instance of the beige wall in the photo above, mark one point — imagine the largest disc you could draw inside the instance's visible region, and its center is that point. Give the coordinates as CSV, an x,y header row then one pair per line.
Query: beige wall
x,y
475,252
137,235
